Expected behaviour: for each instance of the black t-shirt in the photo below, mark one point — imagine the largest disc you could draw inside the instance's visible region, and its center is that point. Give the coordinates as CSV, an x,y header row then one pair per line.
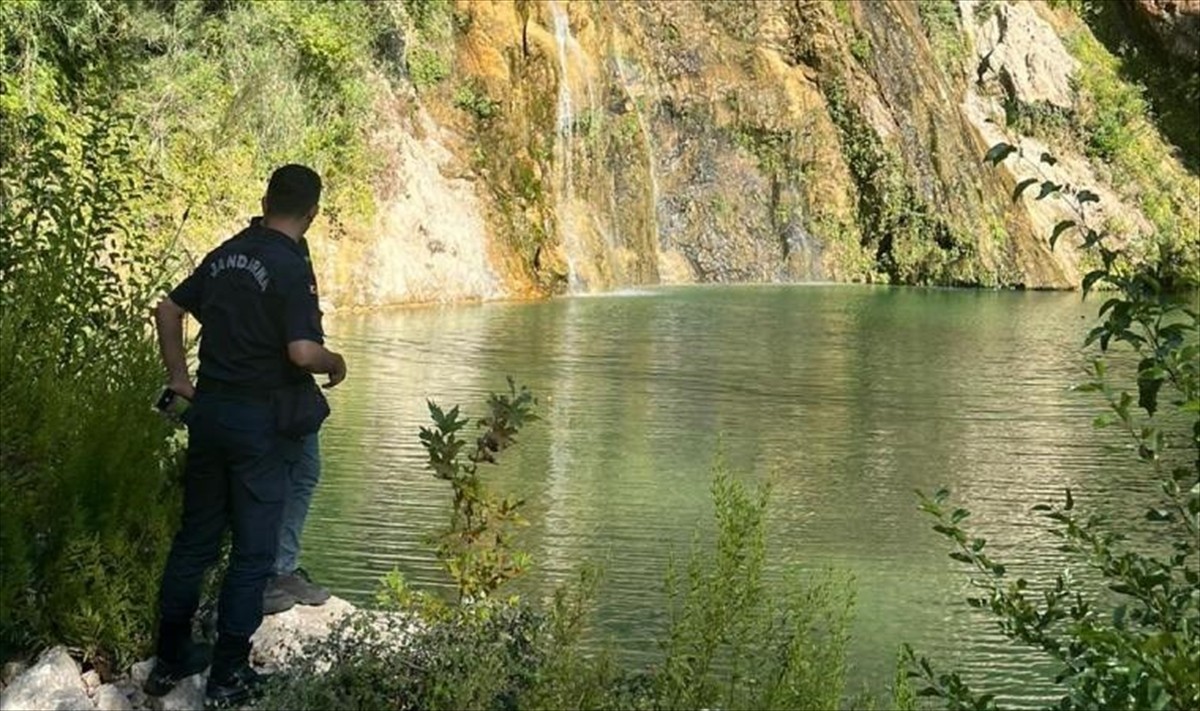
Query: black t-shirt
x,y
253,295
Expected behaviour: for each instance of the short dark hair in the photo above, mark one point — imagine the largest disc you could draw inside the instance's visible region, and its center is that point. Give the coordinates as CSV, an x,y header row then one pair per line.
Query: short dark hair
x,y
293,190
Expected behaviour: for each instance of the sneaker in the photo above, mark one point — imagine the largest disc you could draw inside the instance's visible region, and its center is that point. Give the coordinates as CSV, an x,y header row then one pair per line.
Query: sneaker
x,y
276,598
235,687
165,675
302,588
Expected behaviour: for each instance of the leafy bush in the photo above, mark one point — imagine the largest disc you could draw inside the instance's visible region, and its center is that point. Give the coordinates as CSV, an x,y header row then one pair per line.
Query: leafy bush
x,y
477,546
1135,642
941,22
473,99
734,640
426,67
87,500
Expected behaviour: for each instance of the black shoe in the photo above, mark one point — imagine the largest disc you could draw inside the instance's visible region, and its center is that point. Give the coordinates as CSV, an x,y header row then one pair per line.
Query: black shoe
x,y
301,587
277,599
165,674
235,687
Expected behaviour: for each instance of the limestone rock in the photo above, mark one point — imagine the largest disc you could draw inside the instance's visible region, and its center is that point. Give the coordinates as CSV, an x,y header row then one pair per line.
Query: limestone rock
x,y
1026,51
66,698
109,697
49,684
91,681
140,672
188,695
282,636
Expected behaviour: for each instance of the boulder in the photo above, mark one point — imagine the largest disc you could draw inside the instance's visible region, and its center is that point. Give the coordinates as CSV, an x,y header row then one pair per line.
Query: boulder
x,y
140,672
109,697
282,636
1026,52
91,681
51,682
65,698
188,695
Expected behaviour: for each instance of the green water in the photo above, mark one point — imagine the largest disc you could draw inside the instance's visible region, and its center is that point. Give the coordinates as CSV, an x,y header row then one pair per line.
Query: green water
x,y
851,397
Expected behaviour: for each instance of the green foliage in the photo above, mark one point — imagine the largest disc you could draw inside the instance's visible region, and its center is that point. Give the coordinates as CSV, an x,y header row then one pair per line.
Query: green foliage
x,y
431,17
1135,644
777,152
941,22
426,67
841,10
1172,94
477,547
910,243
861,48
734,640
87,496
472,98
1114,121
222,92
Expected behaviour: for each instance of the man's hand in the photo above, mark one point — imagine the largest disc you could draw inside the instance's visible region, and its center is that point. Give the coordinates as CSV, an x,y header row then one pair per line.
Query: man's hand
x,y
184,388
316,358
338,373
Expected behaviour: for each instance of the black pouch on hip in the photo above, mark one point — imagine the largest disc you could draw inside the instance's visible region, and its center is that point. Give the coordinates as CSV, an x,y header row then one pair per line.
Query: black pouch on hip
x,y
299,409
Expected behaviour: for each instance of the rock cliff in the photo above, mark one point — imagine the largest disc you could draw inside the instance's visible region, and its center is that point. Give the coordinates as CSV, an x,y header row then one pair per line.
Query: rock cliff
x,y
545,147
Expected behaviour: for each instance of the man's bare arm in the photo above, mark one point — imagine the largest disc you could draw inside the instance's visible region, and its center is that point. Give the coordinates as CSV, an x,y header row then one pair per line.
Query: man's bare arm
x,y
168,322
316,358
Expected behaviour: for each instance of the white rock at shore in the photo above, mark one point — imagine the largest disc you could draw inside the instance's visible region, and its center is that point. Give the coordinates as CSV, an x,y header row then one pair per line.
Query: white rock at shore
x,y
282,636
55,681
109,697
52,682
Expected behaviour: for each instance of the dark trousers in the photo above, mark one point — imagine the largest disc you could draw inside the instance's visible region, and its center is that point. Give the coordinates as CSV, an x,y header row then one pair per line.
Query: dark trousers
x,y
236,476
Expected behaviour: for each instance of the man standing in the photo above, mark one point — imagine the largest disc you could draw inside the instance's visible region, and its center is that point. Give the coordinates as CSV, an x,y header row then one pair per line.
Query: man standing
x,y
261,339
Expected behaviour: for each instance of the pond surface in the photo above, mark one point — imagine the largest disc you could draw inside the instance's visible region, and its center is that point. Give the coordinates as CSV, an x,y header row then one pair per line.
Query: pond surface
x,y
850,397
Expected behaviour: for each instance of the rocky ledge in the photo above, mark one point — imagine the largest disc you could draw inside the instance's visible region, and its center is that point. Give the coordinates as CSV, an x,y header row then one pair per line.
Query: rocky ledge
x,y
56,681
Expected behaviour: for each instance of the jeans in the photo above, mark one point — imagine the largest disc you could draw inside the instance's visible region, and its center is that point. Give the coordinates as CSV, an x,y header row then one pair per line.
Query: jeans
x,y
235,477
305,472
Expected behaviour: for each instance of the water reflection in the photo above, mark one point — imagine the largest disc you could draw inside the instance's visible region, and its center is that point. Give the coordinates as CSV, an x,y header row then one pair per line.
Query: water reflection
x,y
849,398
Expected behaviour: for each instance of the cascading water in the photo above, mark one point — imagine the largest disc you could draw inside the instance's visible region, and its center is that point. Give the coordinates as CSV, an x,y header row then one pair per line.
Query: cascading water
x,y
565,125
591,252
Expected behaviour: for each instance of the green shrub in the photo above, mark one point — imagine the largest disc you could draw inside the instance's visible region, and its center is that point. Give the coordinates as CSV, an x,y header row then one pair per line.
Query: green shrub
x,y
477,547
734,641
473,99
941,22
426,67
1127,636
87,493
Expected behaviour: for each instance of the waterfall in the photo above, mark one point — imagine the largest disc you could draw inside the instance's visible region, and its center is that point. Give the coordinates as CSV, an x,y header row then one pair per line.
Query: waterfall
x,y
565,125
591,251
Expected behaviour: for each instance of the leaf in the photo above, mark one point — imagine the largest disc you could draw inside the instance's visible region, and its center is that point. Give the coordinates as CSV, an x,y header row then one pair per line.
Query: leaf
x,y
1059,229
1048,159
1093,277
1093,237
1048,188
1086,196
1070,501
1021,186
998,153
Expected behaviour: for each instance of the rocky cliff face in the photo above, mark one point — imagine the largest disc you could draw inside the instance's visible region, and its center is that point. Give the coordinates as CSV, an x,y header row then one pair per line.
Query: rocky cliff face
x,y
576,145
1176,23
